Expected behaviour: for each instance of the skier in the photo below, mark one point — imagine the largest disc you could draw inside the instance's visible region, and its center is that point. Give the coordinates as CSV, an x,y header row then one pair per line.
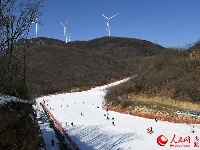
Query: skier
x,y
72,124
150,130
52,142
113,123
192,130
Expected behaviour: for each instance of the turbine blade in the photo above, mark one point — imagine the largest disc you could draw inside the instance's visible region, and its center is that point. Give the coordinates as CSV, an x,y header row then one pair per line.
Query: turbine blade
x,y
104,16
62,24
114,16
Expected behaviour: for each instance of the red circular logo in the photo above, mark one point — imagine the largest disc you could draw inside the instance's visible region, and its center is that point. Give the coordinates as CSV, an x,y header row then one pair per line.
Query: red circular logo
x,y
162,140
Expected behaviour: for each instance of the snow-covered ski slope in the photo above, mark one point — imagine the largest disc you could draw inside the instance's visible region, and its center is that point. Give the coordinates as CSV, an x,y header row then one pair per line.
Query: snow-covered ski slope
x,y
93,131
47,132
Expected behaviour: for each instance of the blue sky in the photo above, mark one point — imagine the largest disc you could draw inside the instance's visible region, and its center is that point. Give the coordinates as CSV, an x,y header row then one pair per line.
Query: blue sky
x,y
170,23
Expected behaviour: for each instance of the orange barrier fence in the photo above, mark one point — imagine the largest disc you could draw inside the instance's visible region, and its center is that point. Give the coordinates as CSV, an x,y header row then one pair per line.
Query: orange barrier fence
x,y
71,142
158,117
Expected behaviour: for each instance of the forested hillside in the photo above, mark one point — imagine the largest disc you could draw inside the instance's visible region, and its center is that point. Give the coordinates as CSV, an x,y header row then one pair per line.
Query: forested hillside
x,y
53,66
168,81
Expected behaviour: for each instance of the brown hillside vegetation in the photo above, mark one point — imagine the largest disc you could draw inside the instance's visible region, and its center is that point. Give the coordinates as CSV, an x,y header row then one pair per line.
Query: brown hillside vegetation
x,y
19,128
53,66
166,83
195,51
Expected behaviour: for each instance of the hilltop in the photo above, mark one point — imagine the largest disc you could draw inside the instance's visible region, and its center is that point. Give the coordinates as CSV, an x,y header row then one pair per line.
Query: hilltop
x,y
54,66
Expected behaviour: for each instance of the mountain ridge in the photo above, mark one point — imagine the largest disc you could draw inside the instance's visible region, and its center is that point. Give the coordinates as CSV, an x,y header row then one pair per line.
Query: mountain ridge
x,y
54,66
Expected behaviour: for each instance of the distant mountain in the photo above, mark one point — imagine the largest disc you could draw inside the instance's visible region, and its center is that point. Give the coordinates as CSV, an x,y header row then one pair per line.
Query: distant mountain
x,y
55,66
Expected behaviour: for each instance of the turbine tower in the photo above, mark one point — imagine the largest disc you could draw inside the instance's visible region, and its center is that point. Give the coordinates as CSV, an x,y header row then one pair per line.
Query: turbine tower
x,y
108,22
65,31
36,27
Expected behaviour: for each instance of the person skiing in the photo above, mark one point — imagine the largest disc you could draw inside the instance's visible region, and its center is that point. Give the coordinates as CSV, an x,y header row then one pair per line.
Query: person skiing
x,y
192,130
150,130
113,123
52,142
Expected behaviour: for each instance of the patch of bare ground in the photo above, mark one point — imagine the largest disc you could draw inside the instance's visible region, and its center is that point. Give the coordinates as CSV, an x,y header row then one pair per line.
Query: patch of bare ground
x,y
80,89
161,108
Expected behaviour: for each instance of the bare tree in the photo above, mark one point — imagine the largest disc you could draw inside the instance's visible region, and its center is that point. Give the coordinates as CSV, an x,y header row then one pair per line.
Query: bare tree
x,y
16,17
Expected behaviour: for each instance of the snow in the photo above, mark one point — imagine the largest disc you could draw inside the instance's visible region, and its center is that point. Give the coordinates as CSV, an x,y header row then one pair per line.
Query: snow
x,y
47,132
4,99
92,130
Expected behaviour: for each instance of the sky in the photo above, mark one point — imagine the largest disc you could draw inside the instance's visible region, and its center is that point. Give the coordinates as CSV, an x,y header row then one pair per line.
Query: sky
x,y
170,23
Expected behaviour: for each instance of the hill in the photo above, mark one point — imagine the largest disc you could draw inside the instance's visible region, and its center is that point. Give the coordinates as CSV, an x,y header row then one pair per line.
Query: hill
x,y
54,66
166,83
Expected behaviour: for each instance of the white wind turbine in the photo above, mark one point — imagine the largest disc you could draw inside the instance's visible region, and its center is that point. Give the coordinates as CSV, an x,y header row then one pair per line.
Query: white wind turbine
x,y
36,27
65,31
108,22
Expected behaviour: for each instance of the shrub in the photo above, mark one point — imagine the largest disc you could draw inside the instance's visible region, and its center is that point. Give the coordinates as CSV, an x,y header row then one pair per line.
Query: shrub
x,y
170,74
126,103
19,128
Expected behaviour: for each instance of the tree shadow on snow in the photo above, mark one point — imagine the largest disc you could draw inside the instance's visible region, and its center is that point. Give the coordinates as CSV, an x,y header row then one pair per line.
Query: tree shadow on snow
x,y
94,137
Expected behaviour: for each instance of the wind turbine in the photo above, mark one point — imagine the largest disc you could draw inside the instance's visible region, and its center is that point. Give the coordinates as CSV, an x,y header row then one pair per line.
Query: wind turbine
x,y
108,22
36,27
65,31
